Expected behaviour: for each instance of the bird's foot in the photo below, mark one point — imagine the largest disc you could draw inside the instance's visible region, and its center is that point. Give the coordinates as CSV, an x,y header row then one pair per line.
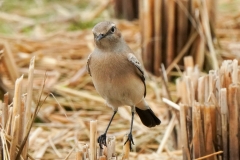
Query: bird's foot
x,y
102,140
130,139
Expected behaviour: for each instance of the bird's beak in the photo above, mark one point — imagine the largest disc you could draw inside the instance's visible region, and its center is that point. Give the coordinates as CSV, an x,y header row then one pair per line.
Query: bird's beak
x,y
100,36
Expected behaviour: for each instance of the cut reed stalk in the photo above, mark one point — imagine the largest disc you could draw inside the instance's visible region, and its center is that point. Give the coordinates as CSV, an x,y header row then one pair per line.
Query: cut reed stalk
x,y
102,158
233,121
4,114
179,20
224,113
188,63
111,146
214,118
184,135
15,134
199,56
6,98
79,155
126,148
93,140
196,131
208,132
234,72
9,122
147,32
170,32
9,62
206,88
214,113
190,93
157,36
182,24
27,116
201,89
17,111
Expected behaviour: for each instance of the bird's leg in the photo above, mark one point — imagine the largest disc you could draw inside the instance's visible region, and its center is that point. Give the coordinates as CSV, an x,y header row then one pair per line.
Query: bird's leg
x,y
102,139
130,139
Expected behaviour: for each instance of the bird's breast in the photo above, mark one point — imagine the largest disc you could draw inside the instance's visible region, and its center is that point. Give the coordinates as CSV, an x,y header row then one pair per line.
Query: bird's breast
x,y
109,70
108,65
116,80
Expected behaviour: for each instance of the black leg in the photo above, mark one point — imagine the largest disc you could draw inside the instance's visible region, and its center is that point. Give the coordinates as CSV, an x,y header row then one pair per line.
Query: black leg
x,y
102,139
130,139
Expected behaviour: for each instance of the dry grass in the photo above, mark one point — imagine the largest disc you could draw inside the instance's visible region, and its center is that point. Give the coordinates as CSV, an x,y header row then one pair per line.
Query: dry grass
x,y
52,32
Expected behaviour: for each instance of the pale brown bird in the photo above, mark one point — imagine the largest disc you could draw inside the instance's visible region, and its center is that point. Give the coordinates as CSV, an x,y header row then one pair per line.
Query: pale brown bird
x,y
118,76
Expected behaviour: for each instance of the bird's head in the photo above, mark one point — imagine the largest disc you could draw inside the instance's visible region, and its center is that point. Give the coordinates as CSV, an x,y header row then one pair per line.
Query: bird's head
x,y
106,34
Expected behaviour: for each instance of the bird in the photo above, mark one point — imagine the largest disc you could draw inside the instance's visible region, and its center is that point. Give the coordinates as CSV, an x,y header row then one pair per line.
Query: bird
x,y
118,77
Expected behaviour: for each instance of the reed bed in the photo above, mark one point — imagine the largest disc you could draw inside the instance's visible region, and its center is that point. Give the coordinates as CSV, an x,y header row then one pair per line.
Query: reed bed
x,y
17,119
63,123
62,127
173,29
209,111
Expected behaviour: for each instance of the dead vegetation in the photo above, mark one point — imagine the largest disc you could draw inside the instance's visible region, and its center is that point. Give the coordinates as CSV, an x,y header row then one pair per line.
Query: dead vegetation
x,y
58,35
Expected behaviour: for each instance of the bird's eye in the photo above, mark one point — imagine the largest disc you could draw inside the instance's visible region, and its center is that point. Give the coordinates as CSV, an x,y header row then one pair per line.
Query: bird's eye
x,y
113,29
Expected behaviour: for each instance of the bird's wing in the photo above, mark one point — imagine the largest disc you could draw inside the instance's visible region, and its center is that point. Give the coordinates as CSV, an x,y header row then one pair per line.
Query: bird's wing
x,y
87,66
132,58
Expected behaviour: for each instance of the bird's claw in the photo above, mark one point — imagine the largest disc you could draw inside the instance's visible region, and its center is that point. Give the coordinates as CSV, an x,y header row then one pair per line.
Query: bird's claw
x,y
130,139
102,140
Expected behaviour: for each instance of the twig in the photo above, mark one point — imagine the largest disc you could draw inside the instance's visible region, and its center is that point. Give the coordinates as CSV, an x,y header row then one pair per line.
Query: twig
x,y
171,103
167,134
96,12
164,80
183,51
163,76
206,27
210,155
54,147
68,155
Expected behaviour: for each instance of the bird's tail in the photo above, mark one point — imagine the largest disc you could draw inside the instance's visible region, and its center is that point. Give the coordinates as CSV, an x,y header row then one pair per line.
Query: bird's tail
x,y
147,117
